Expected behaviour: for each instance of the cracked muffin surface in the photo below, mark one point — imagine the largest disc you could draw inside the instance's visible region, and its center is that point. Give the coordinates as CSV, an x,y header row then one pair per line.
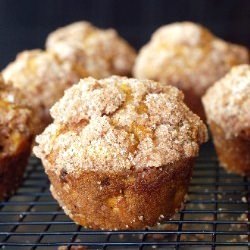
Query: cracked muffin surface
x,y
15,138
120,142
190,57
41,78
92,51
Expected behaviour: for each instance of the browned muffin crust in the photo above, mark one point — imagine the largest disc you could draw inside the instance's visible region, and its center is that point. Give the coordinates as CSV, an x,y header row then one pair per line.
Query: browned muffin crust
x,y
233,153
189,57
132,199
121,142
15,140
41,79
227,108
92,51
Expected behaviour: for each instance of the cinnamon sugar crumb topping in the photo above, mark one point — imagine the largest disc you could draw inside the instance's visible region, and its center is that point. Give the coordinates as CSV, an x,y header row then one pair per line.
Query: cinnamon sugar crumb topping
x,y
41,74
41,79
15,121
124,123
227,103
187,55
92,51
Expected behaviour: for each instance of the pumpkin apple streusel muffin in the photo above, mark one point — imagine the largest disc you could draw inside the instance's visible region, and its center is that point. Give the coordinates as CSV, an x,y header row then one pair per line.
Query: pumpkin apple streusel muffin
x,y
92,51
42,79
189,57
15,139
120,152
227,106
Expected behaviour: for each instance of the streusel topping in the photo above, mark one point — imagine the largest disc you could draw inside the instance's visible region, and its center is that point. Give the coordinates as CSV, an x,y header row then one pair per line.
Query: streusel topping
x,y
40,73
188,56
227,103
120,123
15,121
9,93
41,79
92,51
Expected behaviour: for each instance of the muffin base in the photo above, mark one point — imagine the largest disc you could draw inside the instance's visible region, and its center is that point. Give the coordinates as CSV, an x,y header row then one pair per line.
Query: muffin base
x,y
233,153
131,199
11,171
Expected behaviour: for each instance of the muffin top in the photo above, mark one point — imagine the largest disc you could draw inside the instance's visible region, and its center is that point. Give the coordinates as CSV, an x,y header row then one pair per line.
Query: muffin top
x,y
41,78
119,123
15,121
92,51
187,55
227,103
40,73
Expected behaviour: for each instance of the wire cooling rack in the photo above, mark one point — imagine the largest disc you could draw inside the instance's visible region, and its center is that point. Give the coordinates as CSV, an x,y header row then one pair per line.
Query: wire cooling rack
x,y
216,216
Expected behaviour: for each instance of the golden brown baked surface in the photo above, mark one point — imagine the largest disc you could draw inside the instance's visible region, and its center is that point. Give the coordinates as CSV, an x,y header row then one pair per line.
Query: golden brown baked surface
x,y
119,123
188,56
92,51
227,103
41,79
15,139
132,199
233,152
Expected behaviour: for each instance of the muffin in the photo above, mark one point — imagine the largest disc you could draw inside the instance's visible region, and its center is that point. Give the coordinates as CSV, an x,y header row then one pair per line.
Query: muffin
x,y
189,57
227,106
93,52
120,152
42,79
15,139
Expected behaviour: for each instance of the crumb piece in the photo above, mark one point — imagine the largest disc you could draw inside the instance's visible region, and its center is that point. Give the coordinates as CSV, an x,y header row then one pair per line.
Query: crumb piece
x,y
244,199
140,218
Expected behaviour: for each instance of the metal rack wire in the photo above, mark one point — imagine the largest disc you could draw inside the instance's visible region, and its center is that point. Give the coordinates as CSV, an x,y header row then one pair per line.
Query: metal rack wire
x,y
216,216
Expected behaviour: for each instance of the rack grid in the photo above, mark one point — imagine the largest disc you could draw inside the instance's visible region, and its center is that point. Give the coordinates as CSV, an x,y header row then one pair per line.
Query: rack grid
x,y
216,216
